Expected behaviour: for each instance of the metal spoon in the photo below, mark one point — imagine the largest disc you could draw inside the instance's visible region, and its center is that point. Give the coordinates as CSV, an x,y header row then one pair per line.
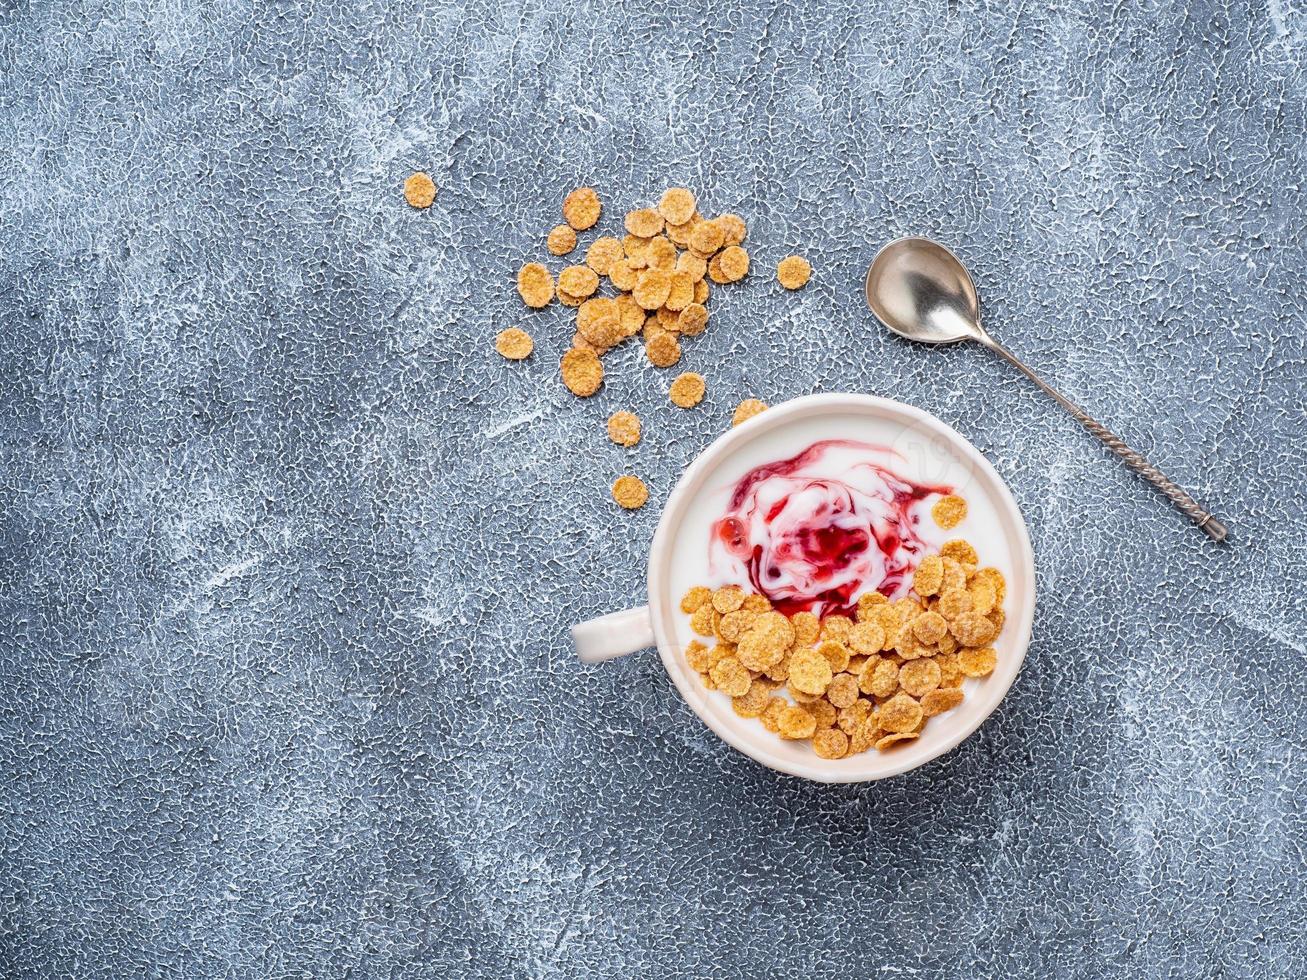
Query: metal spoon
x,y
921,291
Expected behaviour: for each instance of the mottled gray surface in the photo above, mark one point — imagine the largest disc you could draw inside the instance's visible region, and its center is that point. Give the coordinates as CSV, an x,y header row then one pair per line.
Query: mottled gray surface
x,y
288,555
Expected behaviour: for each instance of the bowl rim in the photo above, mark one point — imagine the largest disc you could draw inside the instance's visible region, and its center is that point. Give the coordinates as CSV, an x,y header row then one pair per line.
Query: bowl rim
x,y
828,771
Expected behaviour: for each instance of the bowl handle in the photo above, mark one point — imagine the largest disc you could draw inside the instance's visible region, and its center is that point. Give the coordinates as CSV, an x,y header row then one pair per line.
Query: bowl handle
x,y
614,635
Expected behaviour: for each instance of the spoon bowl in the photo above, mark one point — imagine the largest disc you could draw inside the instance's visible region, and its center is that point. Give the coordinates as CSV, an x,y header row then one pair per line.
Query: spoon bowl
x,y
922,291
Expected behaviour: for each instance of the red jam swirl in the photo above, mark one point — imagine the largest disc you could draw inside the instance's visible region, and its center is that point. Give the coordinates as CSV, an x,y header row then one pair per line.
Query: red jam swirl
x,y
817,530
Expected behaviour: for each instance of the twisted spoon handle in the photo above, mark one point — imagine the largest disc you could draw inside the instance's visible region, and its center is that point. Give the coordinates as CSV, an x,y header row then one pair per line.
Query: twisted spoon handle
x,y
1214,528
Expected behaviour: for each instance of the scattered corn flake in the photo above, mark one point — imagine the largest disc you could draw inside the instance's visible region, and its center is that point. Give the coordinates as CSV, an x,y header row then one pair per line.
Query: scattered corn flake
x,y
753,702
893,738
843,690
756,603
582,372
634,246
735,624
652,287
809,672
731,677
919,677
899,714
830,743
696,266
728,598
692,320
688,389
715,272
663,350
793,272
695,597
644,222
676,205
706,238
420,190
733,229
681,293
535,285
972,629
581,208
560,240
604,332
977,661
514,344
567,299
780,670
630,492
941,699
701,293
734,263
796,723
960,551
623,274
578,280
696,655
660,254
747,409
602,253
949,511
624,429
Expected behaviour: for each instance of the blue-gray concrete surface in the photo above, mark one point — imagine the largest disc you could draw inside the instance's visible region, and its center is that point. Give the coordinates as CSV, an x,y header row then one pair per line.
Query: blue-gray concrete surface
x,y
288,555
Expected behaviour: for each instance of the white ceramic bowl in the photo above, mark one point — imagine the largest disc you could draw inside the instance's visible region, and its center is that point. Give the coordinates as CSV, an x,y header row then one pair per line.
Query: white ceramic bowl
x,y
932,452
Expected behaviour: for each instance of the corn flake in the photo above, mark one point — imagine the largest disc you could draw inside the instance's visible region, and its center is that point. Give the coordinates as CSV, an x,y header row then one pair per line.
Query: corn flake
x,y
753,702
810,672
731,677
663,350
747,409
694,598
880,678
535,285
960,551
581,208
560,240
692,320
893,738
919,677
941,699
582,372
796,723
688,389
899,714
578,280
676,205
624,429
972,629
949,511
644,222
420,190
977,662
734,263
830,743
514,344
793,272
630,492
733,229
602,253
843,690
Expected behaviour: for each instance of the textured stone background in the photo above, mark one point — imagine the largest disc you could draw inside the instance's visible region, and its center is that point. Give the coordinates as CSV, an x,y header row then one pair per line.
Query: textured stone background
x,y
289,555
